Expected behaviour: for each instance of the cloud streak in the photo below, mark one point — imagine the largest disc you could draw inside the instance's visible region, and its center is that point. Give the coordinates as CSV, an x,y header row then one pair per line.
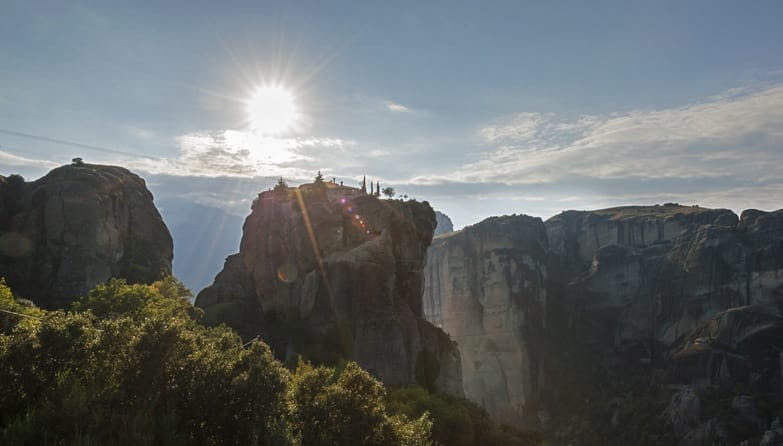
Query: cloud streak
x,y
397,108
9,159
737,134
244,154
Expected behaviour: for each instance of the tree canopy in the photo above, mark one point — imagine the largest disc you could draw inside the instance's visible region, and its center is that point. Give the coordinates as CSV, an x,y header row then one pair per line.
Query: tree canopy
x,y
132,365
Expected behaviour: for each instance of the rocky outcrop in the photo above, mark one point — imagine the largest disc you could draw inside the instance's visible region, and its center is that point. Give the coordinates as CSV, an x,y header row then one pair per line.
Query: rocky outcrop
x,y
486,287
443,223
739,346
76,227
590,306
342,270
658,289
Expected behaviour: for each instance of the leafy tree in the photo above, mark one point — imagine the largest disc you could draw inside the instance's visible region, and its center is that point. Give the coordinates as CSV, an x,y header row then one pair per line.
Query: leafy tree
x,y
388,192
131,366
327,407
15,311
15,181
319,179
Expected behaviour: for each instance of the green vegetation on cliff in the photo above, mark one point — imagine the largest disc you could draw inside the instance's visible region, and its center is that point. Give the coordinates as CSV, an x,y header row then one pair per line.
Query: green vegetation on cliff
x,y
134,365
130,364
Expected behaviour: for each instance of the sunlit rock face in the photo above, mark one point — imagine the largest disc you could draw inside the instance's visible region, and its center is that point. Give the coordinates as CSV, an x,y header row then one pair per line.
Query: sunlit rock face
x,y
345,264
76,227
486,287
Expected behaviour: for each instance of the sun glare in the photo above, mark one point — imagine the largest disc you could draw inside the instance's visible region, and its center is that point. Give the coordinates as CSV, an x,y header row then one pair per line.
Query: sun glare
x,y
271,110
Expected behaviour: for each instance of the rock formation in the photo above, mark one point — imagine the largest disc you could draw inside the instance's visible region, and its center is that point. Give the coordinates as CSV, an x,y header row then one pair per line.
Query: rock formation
x,y
325,269
76,227
580,310
443,223
486,287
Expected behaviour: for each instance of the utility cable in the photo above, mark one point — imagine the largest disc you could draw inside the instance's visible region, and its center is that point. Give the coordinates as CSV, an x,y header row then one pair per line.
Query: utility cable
x,y
75,144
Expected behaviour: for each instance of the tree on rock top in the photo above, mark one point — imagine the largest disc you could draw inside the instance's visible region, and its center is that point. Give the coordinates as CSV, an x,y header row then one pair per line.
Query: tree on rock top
x,y
388,192
281,185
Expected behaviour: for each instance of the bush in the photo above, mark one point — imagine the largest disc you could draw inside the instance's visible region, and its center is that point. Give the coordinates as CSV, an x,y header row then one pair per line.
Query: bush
x,y
456,421
330,407
130,366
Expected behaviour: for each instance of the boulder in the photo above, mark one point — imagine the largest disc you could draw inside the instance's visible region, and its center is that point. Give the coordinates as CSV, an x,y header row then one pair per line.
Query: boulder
x,y
76,227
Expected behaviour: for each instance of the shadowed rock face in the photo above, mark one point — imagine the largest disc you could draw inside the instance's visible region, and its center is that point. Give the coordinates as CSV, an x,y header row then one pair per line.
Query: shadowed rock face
x,y
341,263
76,227
703,262
444,223
629,289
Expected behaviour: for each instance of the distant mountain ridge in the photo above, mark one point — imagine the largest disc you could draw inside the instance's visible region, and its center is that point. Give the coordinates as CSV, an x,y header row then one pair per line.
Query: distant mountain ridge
x,y
203,237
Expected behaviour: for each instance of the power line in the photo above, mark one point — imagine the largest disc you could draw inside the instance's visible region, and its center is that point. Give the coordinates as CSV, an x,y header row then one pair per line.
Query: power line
x,y
75,144
20,314
257,338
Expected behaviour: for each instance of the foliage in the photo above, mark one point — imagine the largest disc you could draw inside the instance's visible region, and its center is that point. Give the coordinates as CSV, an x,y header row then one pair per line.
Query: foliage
x,y
319,179
16,311
388,192
130,366
281,185
327,407
456,421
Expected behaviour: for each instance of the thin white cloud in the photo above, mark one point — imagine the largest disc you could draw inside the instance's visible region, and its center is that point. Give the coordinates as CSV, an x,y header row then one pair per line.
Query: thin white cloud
x,y
394,107
737,133
8,159
243,154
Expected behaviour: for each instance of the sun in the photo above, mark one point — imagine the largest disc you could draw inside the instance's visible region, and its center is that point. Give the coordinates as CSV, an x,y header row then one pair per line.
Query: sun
x,y
271,110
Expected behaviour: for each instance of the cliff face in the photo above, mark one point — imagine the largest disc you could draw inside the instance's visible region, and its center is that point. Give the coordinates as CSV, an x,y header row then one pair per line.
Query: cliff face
x,y
486,287
443,223
542,312
76,227
700,263
345,267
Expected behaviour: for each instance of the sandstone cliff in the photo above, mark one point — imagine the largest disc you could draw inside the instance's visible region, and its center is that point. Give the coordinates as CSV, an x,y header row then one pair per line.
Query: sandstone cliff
x,y
78,226
486,287
443,223
568,317
328,271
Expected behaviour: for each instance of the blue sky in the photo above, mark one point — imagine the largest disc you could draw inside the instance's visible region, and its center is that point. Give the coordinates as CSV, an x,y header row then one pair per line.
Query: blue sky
x,y
482,108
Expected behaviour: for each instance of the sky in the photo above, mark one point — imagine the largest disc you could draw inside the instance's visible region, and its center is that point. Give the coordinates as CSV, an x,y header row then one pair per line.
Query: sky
x,y
481,108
